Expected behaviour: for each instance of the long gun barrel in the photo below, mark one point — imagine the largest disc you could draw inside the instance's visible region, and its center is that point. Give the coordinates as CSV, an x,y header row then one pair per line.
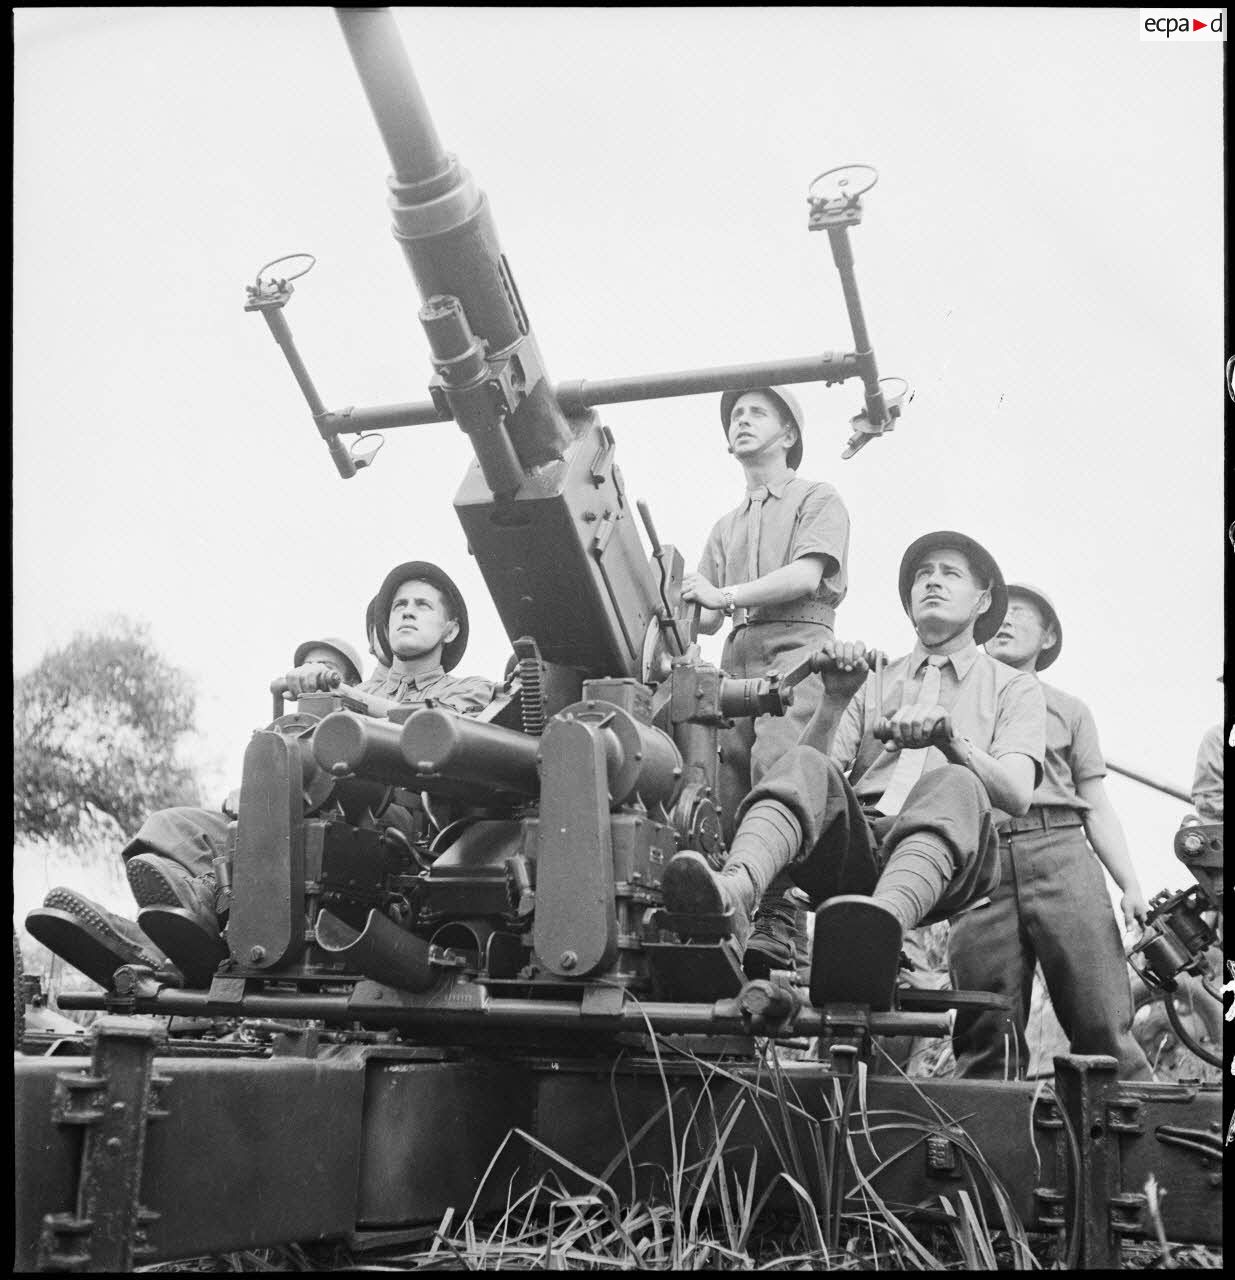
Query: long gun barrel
x,y
543,508
489,369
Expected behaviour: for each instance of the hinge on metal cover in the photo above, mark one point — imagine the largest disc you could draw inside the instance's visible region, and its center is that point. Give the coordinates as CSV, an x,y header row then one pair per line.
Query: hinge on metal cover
x,y
114,1101
1051,1212
1123,1114
1126,1213
599,468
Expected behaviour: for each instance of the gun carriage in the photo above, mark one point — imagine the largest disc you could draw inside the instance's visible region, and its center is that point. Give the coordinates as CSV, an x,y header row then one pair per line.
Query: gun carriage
x,y
509,966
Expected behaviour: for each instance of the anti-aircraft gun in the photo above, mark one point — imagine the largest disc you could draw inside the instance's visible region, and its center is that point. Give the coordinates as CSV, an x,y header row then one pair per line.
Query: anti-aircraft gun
x,y
600,761
511,971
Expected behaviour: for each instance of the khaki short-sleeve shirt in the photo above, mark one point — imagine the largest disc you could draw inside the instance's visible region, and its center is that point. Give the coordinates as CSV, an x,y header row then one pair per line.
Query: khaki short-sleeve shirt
x,y
999,709
800,518
1073,753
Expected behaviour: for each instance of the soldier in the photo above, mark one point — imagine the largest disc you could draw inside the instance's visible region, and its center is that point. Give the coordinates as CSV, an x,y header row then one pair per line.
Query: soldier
x,y
776,566
332,652
912,822
170,862
1051,905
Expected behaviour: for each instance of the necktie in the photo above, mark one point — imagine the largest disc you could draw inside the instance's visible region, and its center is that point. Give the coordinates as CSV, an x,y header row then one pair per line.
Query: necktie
x,y
757,498
911,763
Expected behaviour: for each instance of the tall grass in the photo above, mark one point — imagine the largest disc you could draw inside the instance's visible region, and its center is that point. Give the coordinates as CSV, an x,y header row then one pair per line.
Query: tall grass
x,y
708,1213
710,1216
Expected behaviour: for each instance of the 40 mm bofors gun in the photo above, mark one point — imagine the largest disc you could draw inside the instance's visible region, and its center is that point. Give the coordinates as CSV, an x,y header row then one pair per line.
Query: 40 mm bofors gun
x,y
601,763
410,1003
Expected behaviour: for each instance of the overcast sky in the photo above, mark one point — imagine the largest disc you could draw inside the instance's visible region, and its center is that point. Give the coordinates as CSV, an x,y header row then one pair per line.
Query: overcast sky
x,y
1042,258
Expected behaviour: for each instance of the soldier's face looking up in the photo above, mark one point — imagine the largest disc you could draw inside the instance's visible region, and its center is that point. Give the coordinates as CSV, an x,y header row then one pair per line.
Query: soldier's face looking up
x,y
757,428
946,594
420,620
1023,634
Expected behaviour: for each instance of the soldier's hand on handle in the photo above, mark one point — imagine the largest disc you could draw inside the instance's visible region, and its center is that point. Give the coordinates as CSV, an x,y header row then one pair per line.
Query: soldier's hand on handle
x,y
914,727
312,677
844,665
696,589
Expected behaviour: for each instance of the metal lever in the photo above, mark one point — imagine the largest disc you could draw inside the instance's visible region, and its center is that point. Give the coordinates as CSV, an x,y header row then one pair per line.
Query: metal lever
x,y
658,554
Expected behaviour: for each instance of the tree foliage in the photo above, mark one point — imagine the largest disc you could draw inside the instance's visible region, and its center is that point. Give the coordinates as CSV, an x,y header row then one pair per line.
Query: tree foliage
x,y
98,727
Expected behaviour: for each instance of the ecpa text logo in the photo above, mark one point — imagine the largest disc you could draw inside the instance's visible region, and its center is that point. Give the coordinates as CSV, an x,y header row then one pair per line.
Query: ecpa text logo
x,y
1185,26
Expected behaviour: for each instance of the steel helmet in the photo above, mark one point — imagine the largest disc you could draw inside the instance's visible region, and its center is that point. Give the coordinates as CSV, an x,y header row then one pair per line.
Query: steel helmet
x,y
1051,615
987,623
422,571
349,657
788,401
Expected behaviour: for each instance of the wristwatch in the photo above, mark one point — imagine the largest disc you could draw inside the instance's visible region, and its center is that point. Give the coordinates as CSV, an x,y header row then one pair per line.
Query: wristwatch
x,y
730,604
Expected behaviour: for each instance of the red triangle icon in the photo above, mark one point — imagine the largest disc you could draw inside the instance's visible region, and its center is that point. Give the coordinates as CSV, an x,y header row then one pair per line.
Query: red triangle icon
x,y
1199,26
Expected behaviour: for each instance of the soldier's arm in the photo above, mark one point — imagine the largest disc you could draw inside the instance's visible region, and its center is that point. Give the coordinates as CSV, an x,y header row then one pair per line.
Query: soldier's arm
x,y
789,582
778,586
1011,768
1009,779
1106,835
469,695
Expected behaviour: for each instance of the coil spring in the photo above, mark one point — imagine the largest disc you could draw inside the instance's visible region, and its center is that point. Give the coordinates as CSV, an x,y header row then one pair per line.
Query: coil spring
x,y
532,696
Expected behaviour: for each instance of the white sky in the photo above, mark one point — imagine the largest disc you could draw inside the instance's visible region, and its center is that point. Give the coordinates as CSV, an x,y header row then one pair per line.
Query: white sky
x,y
1042,258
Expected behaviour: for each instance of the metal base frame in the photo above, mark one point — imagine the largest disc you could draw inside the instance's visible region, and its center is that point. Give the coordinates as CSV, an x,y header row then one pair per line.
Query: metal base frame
x,y
227,1153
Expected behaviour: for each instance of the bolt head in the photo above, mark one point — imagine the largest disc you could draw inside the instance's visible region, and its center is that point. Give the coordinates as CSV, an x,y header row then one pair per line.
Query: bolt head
x,y
568,960
257,954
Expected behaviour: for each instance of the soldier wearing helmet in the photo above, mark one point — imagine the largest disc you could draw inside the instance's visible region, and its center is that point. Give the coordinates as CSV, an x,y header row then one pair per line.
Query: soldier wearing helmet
x,y
1051,906
898,830
331,653
421,621
776,567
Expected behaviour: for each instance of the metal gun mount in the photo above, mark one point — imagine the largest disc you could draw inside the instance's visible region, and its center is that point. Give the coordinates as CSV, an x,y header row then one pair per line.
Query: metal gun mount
x,y
467,356
1180,928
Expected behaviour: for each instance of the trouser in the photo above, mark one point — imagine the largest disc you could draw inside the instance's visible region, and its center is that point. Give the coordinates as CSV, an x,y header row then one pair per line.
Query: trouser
x,y
190,837
193,838
751,746
1051,907
845,847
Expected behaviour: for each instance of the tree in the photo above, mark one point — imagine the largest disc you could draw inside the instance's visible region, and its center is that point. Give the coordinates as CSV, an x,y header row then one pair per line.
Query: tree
x,y
98,727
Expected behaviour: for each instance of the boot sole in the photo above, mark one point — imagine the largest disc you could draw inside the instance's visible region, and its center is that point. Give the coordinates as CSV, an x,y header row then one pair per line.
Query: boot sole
x,y
95,951
194,947
151,885
689,888
856,955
